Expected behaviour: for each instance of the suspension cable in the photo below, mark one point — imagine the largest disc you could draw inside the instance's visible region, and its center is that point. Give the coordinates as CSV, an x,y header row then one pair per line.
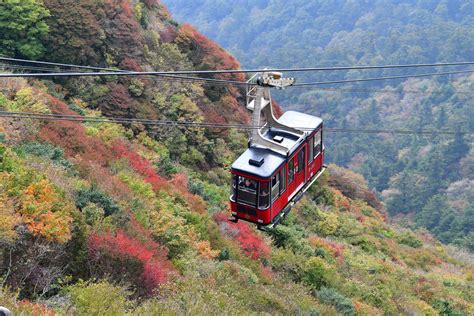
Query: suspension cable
x,y
310,69
191,124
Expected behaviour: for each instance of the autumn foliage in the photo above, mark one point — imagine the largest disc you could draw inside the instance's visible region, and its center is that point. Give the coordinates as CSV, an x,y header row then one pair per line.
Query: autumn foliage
x,y
150,257
71,136
207,53
251,243
139,164
45,213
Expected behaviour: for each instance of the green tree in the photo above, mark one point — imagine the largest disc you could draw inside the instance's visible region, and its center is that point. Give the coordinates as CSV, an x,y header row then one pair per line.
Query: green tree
x,y
22,26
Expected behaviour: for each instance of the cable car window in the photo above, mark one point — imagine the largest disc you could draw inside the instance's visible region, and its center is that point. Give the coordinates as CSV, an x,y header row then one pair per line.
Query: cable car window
x,y
247,192
264,196
300,166
275,187
291,170
317,143
310,150
233,187
282,180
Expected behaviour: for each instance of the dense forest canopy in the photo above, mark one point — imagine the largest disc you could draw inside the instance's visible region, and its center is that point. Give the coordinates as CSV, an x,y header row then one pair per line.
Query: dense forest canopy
x,y
412,171
98,218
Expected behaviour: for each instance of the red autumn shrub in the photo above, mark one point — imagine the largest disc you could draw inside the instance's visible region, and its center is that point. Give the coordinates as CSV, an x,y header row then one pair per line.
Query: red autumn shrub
x,y
130,253
251,243
207,53
130,64
139,164
71,136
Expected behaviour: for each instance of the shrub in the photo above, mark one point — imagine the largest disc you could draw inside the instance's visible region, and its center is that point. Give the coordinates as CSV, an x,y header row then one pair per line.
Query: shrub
x,y
94,195
330,296
327,223
145,262
445,308
324,247
409,240
47,151
139,164
166,166
101,298
317,273
45,212
93,214
251,243
27,100
323,195
71,136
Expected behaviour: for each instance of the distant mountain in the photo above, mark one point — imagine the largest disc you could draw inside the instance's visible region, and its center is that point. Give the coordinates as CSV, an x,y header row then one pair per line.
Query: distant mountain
x,y
409,171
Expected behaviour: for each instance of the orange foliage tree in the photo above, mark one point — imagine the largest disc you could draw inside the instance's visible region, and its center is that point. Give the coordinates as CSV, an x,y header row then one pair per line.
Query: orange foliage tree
x,y
45,212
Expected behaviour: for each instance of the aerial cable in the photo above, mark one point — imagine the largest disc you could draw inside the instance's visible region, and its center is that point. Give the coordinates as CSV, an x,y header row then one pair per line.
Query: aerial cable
x,y
190,124
225,71
306,84
388,91
116,71
225,82
172,75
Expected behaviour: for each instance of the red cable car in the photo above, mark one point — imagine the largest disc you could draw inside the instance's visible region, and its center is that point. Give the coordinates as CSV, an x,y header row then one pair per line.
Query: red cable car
x,y
284,158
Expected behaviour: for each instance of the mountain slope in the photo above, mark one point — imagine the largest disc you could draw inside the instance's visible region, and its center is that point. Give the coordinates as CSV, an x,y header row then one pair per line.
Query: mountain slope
x,y
103,218
409,171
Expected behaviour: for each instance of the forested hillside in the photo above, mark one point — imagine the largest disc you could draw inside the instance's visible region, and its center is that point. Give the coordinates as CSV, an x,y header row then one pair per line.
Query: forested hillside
x,y
412,173
98,218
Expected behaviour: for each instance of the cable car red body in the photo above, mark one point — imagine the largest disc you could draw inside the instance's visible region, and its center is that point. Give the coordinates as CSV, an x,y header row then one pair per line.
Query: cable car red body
x,y
265,183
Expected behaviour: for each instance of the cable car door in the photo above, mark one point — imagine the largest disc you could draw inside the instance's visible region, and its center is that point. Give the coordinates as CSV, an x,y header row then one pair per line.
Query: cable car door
x,y
296,172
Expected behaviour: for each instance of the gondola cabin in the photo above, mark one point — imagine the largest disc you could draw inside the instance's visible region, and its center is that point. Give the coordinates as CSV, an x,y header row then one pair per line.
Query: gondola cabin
x,y
267,182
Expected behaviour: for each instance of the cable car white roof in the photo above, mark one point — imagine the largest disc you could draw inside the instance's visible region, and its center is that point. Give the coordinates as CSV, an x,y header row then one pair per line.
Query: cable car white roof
x,y
263,162
300,120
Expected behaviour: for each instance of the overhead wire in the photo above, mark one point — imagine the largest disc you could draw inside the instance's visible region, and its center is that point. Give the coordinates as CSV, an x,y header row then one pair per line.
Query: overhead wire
x,y
160,77
189,124
225,82
388,91
306,84
172,75
311,69
115,71
179,74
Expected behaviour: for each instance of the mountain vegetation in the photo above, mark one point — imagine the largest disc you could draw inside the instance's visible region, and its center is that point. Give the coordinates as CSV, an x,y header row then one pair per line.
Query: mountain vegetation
x,y
98,218
410,172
